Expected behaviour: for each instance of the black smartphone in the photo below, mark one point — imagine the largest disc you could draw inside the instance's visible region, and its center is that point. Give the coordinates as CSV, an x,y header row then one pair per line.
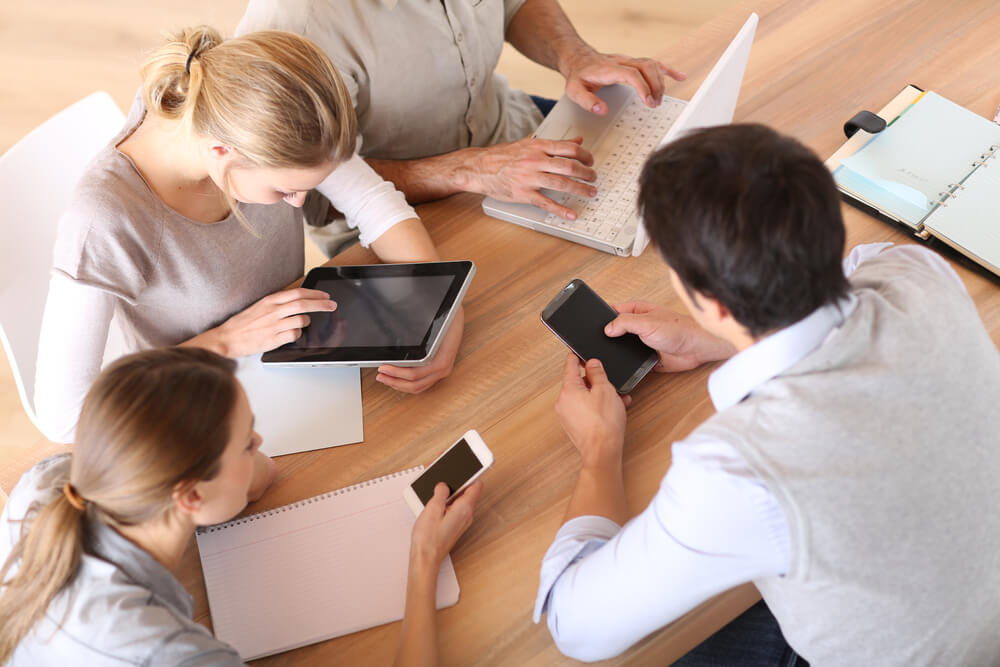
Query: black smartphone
x,y
577,315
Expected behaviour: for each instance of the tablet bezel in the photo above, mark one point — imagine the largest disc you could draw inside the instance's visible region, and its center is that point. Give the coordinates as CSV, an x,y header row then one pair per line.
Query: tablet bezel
x,y
461,273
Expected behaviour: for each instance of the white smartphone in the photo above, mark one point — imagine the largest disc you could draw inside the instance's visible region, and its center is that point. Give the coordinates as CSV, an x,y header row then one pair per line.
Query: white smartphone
x,y
459,465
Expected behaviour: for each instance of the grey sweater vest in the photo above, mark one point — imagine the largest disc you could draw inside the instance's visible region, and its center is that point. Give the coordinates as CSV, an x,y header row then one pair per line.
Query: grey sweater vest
x,y
883,449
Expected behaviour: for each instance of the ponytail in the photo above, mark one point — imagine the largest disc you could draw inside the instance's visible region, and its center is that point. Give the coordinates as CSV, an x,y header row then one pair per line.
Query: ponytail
x,y
151,421
49,556
173,75
274,96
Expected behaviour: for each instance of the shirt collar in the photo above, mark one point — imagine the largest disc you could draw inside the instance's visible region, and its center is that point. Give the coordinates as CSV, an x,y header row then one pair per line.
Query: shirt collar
x,y
768,358
109,545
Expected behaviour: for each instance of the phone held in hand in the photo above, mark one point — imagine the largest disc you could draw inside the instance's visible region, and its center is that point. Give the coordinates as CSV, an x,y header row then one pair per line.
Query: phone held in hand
x,y
577,316
459,465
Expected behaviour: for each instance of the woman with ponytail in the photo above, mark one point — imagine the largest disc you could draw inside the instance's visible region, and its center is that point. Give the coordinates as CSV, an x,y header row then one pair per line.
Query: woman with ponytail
x,y
165,443
186,228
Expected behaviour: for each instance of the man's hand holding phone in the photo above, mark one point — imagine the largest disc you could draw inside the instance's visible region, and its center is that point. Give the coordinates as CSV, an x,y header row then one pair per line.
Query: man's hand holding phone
x,y
678,340
592,413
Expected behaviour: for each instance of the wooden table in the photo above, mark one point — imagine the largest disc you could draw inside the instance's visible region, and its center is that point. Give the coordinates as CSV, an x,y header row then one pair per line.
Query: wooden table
x,y
813,66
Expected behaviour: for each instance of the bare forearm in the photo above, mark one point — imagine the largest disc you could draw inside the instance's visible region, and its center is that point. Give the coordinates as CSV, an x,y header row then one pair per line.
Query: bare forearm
x,y
599,491
209,340
418,635
406,241
542,32
430,178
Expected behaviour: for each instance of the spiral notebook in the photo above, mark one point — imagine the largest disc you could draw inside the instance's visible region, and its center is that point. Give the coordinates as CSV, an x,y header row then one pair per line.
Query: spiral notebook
x,y
929,170
313,570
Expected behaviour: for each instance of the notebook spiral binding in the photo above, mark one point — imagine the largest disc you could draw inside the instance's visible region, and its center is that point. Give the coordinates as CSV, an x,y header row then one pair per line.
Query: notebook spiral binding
x,y
954,187
204,530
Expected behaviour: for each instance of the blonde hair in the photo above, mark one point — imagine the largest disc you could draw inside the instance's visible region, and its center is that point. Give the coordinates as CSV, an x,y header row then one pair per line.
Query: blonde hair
x,y
274,96
152,421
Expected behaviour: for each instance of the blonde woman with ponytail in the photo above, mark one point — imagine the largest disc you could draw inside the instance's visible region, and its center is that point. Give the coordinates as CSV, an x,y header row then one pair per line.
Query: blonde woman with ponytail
x,y
186,228
165,443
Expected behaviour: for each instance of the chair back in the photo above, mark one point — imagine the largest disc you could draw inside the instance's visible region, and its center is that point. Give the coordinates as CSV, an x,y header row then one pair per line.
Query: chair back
x,y
37,177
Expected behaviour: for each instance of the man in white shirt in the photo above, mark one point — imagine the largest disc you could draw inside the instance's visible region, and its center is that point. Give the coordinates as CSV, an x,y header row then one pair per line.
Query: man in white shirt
x,y
849,471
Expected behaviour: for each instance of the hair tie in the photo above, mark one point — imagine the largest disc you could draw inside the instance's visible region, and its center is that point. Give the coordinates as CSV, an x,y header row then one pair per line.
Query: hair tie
x,y
74,498
191,56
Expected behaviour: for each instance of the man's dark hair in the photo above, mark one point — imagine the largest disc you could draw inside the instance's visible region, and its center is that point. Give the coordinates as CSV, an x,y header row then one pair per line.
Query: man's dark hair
x,y
750,218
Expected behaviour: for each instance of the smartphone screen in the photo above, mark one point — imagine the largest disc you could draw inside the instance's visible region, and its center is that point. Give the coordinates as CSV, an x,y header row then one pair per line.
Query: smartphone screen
x,y
579,319
454,469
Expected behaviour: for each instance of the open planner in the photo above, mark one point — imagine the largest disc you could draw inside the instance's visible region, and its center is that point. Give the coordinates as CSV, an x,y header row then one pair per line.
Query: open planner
x,y
313,570
934,169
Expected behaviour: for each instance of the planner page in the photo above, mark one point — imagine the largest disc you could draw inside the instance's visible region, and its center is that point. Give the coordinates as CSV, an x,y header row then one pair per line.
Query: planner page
x,y
313,570
904,168
969,221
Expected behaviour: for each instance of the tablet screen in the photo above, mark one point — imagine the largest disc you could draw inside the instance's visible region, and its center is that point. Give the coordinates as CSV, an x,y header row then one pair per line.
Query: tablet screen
x,y
385,313
376,312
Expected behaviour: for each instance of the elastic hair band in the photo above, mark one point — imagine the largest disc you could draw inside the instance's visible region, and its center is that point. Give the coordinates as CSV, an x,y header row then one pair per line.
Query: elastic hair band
x,y
74,498
191,56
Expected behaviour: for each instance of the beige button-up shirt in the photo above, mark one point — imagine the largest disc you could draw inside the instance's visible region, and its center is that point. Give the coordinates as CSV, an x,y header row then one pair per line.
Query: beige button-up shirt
x,y
420,72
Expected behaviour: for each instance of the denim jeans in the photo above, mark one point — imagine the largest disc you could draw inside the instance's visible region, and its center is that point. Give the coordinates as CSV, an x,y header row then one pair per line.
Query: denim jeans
x,y
544,104
752,639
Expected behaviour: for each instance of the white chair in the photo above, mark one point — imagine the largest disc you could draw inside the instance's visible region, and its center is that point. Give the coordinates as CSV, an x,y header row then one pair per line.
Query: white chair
x,y
37,176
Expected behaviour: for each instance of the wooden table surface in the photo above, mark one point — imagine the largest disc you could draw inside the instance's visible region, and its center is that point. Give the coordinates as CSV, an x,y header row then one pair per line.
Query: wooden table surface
x,y
814,64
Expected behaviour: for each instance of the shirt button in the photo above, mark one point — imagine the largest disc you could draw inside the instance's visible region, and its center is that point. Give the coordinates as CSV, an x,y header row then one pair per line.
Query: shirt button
x,y
459,36
472,81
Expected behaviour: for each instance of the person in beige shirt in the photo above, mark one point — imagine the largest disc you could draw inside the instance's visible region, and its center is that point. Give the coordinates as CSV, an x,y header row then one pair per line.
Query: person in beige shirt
x,y
434,116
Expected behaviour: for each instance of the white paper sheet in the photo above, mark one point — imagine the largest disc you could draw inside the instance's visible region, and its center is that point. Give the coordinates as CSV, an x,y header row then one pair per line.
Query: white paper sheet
x,y
300,409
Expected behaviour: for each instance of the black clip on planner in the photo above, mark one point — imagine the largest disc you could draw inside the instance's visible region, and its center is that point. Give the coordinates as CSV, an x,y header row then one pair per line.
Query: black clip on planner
x,y
864,120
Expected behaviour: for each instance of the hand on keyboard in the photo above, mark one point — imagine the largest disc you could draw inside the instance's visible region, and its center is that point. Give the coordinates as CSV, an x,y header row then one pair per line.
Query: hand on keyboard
x,y
592,70
515,172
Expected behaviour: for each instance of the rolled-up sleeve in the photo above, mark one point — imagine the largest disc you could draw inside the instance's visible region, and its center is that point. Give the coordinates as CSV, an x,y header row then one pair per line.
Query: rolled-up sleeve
x,y
711,526
575,540
368,202
510,8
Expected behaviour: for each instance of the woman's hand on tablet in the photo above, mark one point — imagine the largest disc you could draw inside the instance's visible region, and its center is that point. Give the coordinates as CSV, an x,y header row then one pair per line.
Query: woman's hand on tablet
x,y
271,322
417,379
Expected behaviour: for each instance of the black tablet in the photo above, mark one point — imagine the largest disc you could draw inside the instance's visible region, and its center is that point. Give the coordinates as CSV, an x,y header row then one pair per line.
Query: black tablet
x,y
386,314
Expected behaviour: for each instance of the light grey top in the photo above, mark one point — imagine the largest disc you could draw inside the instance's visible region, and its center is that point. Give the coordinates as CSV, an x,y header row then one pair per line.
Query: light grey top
x,y
420,72
121,254
173,277
122,608
881,448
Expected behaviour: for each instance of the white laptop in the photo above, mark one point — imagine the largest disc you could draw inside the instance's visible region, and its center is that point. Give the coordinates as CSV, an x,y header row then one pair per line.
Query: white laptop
x,y
620,142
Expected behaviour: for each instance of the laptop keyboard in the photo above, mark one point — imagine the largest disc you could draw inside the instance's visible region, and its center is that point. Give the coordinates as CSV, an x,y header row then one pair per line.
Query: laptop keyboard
x,y
618,160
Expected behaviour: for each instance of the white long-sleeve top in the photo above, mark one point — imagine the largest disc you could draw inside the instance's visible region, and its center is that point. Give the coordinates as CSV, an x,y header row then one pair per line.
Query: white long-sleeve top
x,y
122,255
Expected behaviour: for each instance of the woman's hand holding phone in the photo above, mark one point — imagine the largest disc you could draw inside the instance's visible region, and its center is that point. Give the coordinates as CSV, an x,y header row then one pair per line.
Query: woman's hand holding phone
x,y
441,524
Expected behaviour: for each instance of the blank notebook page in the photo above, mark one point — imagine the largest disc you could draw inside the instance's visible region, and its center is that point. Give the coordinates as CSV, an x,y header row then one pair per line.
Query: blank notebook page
x,y
315,569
